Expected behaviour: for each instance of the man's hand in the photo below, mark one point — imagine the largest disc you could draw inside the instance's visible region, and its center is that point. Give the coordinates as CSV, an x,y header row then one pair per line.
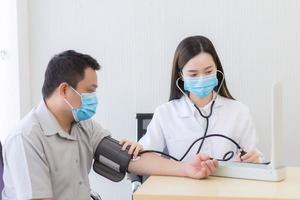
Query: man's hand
x,y
134,149
200,167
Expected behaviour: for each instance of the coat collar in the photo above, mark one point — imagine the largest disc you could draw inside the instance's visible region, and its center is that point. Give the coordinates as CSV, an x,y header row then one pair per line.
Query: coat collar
x,y
186,107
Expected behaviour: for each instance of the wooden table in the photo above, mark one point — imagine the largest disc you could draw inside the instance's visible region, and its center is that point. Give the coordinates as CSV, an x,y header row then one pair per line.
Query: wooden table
x,y
175,188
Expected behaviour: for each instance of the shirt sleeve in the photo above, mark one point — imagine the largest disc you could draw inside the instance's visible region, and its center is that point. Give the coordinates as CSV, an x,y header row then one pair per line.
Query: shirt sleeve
x,y
26,173
154,138
97,134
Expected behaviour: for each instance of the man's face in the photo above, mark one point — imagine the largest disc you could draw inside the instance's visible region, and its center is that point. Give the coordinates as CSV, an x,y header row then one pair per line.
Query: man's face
x,y
87,85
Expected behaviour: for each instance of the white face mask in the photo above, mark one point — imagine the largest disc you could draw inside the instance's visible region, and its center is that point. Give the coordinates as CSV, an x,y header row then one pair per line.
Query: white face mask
x,y
200,86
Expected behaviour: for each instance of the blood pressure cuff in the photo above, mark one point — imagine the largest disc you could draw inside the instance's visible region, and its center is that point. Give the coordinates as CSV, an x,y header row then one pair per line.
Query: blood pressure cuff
x,y
110,160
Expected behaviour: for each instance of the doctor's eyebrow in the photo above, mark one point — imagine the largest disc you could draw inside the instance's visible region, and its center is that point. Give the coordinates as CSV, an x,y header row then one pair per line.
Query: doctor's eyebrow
x,y
195,70
208,67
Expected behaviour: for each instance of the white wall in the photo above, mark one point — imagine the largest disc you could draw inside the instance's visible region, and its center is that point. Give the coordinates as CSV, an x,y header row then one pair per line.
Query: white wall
x,y
23,61
10,99
257,41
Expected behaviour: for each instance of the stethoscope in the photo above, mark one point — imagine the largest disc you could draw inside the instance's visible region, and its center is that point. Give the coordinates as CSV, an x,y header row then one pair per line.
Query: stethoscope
x,y
227,156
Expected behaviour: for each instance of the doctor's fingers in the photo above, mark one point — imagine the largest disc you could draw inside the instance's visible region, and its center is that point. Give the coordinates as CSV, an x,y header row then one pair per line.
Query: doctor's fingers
x,y
122,141
255,158
137,150
251,156
133,147
125,144
248,155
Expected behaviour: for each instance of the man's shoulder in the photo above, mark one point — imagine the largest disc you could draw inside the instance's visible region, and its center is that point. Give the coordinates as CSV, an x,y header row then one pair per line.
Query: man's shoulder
x,y
28,128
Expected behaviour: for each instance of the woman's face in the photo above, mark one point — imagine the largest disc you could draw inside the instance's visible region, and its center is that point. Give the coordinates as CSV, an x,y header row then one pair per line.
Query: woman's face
x,y
200,65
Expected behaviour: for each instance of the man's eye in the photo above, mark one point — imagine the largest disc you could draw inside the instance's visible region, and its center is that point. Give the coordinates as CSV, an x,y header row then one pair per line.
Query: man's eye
x,y
208,72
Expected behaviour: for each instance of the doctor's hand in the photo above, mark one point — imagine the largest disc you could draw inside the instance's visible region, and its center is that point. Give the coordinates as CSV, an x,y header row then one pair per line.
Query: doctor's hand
x,y
200,167
134,147
253,156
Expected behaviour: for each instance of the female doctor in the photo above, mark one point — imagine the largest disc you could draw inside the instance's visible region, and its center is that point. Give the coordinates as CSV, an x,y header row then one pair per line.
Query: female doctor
x,y
200,104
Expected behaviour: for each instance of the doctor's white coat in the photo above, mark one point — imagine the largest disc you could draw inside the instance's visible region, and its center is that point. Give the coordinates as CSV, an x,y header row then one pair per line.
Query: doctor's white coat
x,y
177,123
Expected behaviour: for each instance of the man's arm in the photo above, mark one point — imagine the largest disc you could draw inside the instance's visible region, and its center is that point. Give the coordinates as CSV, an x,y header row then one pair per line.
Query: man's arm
x,y
152,164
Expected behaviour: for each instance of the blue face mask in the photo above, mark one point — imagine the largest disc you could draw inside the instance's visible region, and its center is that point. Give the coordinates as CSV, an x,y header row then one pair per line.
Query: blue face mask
x,y
200,86
87,108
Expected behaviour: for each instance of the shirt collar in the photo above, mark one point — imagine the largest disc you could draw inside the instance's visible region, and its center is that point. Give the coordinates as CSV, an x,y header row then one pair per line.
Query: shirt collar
x,y
49,124
187,108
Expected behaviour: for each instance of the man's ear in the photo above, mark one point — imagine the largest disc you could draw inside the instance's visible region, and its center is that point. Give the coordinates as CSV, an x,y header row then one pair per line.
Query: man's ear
x,y
62,89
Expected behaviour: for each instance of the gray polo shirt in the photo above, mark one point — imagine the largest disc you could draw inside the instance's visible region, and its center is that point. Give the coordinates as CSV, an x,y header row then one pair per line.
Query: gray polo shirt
x,y
41,160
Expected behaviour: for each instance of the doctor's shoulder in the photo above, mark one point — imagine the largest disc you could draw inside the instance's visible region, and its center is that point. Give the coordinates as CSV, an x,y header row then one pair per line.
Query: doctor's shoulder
x,y
235,106
170,108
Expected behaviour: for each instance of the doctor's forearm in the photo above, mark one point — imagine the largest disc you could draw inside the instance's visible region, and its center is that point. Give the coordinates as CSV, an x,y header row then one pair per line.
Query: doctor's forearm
x,y
153,164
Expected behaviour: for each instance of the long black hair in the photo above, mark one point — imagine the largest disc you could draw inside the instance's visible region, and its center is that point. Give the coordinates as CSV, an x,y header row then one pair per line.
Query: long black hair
x,y
186,50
